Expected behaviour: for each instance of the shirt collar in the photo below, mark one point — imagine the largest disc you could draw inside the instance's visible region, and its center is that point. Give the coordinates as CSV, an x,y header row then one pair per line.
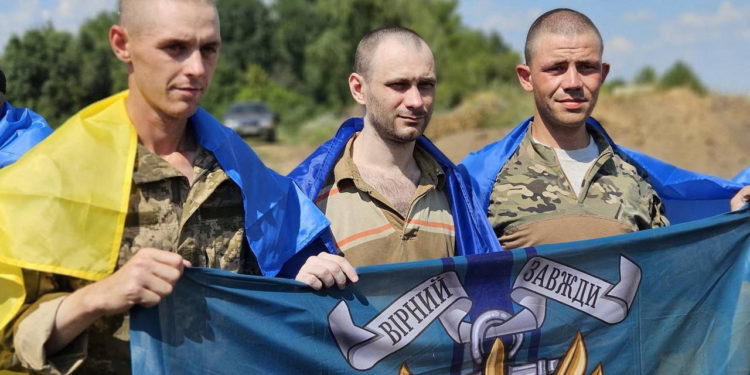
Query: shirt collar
x,y
150,167
546,154
346,170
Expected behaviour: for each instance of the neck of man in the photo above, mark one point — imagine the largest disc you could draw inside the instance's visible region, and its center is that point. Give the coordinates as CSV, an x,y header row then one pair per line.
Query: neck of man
x,y
566,137
371,151
161,134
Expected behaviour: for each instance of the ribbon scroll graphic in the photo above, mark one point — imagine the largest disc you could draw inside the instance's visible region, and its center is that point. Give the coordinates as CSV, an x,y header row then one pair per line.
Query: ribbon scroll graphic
x,y
442,297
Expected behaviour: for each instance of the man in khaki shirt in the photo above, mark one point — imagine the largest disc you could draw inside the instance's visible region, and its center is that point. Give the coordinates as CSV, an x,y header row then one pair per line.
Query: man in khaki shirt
x,y
391,195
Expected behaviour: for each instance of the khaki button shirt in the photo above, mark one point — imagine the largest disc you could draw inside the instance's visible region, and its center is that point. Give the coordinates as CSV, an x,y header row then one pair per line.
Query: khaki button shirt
x,y
368,230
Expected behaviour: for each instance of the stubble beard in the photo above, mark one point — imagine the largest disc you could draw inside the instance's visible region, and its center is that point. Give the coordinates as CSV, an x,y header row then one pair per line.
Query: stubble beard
x,y
386,126
386,129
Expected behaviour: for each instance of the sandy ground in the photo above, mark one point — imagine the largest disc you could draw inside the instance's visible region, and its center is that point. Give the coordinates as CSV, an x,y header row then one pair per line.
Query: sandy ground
x,y
709,134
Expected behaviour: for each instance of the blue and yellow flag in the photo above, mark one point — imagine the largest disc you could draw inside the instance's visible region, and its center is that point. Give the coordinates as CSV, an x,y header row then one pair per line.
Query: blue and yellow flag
x,y
63,204
672,300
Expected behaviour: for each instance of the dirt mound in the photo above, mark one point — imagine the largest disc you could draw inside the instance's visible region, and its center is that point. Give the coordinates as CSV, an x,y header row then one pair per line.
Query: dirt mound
x,y
708,134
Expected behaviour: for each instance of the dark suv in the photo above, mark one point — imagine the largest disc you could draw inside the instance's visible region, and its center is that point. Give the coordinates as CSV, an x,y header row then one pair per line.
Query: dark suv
x,y
251,119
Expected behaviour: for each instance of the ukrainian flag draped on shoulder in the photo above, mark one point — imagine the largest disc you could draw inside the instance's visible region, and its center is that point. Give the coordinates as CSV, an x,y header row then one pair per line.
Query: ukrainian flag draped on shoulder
x,y
686,195
473,236
63,205
743,177
20,129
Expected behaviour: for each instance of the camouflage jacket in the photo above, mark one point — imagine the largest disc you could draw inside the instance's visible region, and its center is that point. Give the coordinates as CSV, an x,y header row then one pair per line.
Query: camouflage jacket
x,y
532,202
204,223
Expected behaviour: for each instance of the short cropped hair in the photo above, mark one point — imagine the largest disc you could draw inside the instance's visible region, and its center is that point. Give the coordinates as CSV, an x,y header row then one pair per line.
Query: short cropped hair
x,y
562,21
129,11
370,42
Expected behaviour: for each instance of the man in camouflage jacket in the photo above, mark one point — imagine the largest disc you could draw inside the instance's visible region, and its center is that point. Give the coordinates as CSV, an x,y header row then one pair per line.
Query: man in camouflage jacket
x,y
196,195
558,176
533,203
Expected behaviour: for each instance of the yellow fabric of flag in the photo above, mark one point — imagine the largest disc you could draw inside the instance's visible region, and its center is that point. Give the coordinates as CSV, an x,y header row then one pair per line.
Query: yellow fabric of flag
x,y
63,204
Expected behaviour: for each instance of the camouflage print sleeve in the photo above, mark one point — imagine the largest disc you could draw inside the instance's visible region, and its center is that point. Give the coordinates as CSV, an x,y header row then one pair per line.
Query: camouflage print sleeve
x,y
658,218
653,205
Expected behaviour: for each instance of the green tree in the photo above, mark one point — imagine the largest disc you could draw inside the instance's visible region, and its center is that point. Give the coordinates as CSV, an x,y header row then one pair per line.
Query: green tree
x,y
319,39
293,54
298,24
102,74
289,106
328,57
645,76
680,75
43,70
247,33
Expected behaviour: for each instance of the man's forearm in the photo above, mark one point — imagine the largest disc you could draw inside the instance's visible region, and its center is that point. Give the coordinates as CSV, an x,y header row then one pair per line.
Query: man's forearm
x,y
76,313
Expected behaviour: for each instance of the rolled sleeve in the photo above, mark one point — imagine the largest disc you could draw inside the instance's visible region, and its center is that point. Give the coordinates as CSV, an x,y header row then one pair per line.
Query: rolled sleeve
x,y
32,332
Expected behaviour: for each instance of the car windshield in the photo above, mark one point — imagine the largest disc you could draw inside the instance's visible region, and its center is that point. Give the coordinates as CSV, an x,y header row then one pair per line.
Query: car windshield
x,y
248,108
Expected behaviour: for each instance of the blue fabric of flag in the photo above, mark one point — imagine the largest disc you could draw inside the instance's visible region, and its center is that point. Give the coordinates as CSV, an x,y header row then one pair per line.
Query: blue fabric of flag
x,y
686,195
473,233
743,177
20,130
672,300
280,221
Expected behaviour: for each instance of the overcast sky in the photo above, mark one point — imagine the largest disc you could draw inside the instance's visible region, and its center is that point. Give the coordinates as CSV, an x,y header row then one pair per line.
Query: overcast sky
x,y
713,37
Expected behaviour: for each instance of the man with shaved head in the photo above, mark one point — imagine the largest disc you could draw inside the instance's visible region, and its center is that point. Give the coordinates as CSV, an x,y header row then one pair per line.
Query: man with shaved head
x,y
189,183
390,194
562,181
558,177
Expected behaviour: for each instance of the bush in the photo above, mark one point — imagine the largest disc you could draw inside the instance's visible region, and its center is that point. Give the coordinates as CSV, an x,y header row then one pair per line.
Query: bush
x,y
610,85
645,76
291,108
680,75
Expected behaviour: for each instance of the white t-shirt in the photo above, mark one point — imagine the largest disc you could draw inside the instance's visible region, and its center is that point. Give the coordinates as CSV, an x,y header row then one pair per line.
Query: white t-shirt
x,y
575,163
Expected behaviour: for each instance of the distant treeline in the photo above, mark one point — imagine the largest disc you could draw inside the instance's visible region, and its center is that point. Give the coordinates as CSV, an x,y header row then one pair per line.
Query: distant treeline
x,y
293,54
678,75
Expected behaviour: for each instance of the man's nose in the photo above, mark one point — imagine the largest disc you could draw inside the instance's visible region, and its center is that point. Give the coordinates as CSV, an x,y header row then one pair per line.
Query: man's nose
x,y
413,98
572,79
194,65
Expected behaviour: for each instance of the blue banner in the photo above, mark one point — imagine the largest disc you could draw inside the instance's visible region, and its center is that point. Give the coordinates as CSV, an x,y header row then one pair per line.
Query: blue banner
x,y
674,300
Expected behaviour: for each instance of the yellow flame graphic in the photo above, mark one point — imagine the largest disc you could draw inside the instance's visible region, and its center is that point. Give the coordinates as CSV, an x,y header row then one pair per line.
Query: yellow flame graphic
x,y
495,364
404,370
573,363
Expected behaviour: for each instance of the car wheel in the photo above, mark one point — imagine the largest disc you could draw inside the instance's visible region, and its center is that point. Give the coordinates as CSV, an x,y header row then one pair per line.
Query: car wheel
x,y
271,135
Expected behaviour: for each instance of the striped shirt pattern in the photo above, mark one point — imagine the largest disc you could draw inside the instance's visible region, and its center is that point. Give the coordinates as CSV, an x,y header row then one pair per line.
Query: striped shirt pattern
x,y
368,230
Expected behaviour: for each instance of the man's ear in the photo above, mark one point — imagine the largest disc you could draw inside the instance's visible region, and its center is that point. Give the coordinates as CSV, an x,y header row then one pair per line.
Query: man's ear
x,y
523,72
605,71
357,87
118,40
